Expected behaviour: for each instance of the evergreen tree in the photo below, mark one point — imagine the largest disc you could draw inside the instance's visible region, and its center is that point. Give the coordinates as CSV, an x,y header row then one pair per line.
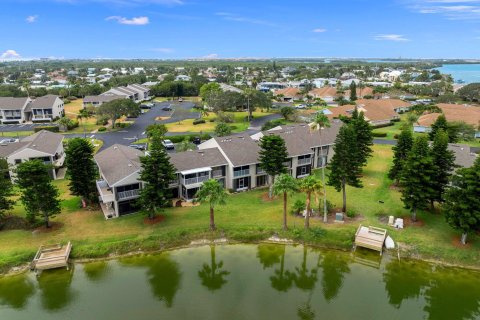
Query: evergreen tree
x,y
272,156
6,189
439,124
417,175
345,166
444,162
462,200
353,91
400,153
364,136
39,196
81,168
157,173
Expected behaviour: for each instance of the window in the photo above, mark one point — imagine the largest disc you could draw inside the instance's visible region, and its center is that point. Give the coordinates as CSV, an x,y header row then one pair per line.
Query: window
x,y
303,170
18,161
261,181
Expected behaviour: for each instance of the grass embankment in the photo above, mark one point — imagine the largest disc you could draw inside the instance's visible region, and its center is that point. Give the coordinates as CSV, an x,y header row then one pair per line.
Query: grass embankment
x,y
15,134
246,217
239,123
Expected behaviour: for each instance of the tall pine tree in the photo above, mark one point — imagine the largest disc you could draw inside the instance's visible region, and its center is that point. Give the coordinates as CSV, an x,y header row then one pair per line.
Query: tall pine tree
x,y
39,196
363,134
157,173
272,156
346,165
400,153
81,168
439,124
417,175
6,189
353,91
444,162
462,200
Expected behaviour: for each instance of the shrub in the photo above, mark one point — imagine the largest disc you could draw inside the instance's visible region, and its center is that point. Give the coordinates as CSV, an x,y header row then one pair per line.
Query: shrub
x,y
351,213
48,128
330,206
198,121
383,125
73,124
66,101
395,136
72,98
298,206
102,129
379,134
121,125
222,129
102,120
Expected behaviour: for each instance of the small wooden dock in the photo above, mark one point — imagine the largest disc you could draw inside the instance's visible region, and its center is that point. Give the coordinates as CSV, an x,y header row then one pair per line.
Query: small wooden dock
x,y
51,257
370,238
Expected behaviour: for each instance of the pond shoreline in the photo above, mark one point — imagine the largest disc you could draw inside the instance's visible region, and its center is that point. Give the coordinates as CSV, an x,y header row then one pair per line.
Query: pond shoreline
x,y
199,242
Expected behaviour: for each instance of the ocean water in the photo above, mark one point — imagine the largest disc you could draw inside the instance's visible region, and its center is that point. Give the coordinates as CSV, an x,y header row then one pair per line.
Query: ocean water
x,y
467,72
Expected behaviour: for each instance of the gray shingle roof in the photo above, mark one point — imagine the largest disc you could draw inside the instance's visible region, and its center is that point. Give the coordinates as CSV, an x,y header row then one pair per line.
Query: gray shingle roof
x,y
463,155
12,103
188,160
102,98
43,102
118,162
43,141
239,149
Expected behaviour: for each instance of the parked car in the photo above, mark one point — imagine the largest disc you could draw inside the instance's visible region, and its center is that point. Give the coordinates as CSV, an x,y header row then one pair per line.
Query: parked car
x,y
168,144
146,105
180,99
139,146
8,140
197,140
167,108
300,106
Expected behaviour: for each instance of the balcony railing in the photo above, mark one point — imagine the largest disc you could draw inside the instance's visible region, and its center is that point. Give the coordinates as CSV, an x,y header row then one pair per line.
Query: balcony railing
x,y
217,173
287,164
304,161
129,194
106,194
195,180
241,173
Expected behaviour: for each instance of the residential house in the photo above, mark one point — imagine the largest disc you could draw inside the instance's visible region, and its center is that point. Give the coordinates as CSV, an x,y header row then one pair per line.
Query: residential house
x,y
376,111
288,94
44,145
12,110
46,108
119,185
453,113
327,93
97,101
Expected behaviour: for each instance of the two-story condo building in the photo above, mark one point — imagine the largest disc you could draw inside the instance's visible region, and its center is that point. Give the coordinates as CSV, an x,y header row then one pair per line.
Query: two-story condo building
x,y
119,185
134,92
12,110
20,110
44,145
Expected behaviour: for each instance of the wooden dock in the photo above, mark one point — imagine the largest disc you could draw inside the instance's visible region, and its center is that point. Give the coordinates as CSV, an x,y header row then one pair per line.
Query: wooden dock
x,y
370,238
51,257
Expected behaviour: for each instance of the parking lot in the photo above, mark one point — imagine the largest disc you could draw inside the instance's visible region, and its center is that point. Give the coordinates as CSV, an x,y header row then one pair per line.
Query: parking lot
x,y
21,127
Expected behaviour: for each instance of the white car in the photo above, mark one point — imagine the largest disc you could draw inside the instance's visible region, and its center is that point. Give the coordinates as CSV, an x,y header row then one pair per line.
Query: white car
x,y
168,144
8,140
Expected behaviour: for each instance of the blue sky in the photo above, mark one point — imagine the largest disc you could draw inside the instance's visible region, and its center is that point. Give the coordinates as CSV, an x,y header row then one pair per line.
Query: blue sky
x,y
166,29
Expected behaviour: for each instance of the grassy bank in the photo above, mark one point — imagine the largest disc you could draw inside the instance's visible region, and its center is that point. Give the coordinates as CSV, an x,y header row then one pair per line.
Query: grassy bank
x,y
247,217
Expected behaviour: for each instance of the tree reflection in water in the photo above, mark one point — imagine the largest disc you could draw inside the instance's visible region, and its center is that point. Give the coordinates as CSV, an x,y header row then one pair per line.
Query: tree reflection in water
x,y
15,291
212,275
334,266
55,288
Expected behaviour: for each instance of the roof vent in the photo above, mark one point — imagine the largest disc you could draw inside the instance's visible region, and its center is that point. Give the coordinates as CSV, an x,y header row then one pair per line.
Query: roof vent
x,y
130,165
115,147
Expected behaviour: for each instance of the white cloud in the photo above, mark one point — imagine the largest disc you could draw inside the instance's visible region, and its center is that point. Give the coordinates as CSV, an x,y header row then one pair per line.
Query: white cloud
x,y
234,17
450,9
319,30
136,21
32,19
10,55
163,50
390,37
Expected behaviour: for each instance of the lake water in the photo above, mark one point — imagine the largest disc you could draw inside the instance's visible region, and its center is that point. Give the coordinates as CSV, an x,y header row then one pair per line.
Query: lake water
x,y
466,72
245,282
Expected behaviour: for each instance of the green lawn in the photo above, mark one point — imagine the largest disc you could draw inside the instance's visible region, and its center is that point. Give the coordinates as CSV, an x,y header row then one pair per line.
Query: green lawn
x,y
246,217
15,134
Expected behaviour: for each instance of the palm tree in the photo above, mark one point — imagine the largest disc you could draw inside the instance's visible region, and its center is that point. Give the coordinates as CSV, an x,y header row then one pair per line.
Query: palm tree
x,y
212,192
285,184
309,185
320,122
